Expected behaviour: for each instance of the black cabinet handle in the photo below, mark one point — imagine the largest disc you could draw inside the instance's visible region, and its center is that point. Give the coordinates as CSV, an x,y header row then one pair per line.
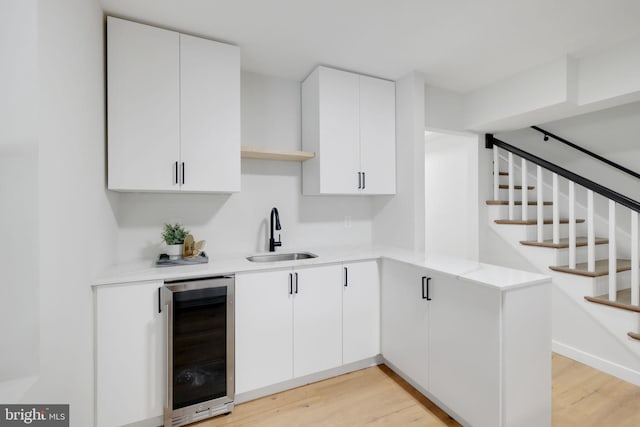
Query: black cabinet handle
x,y
159,300
359,180
182,173
296,282
425,281
364,182
290,283
425,288
176,182
346,277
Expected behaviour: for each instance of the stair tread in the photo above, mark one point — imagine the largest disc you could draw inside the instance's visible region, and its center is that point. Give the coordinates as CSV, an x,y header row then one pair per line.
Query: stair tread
x,y
517,203
623,301
515,187
533,221
602,268
634,335
563,243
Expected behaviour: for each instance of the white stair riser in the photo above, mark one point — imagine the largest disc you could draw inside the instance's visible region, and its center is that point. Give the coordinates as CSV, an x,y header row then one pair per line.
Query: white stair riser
x,y
623,281
551,256
530,232
591,286
577,286
502,211
504,194
602,252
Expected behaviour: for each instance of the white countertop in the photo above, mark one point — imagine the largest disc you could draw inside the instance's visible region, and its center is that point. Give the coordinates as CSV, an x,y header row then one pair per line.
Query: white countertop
x,y
485,274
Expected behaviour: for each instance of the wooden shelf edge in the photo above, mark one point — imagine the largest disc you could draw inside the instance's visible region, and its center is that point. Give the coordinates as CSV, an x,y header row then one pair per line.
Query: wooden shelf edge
x,y
271,154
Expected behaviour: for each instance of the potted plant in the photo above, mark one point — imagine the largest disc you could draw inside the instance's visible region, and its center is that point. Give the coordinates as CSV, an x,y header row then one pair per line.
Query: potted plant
x,y
173,236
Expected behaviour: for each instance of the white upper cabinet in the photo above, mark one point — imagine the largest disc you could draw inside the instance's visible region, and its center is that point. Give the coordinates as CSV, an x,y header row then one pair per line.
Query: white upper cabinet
x,y
143,69
173,111
378,135
210,115
348,120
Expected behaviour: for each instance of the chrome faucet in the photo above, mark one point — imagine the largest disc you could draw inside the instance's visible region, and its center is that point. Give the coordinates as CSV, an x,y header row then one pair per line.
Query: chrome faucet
x,y
272,241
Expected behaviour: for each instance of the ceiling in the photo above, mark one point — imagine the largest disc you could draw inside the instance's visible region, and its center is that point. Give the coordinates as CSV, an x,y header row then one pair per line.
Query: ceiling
x,y
608,131
612,133
460,45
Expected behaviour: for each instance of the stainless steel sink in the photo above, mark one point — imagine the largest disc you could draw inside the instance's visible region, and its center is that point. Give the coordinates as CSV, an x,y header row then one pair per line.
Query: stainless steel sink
x,y
281,257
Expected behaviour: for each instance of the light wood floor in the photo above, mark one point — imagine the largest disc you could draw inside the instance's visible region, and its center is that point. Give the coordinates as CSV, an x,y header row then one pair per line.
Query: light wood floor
x,y
585,397
582,397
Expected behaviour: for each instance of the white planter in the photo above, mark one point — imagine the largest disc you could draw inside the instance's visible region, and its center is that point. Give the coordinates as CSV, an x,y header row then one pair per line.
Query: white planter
x,y
175,251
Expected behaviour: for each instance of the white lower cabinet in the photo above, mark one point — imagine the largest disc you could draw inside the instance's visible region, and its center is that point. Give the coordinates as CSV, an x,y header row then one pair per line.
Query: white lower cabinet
x,y
264,329
317,320
288,324
463,343
405,324
360,311
481,352
464,348
129,353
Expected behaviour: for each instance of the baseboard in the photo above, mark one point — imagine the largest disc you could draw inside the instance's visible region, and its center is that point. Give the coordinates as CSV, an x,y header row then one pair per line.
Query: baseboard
x,y
596,362
151,422
308,379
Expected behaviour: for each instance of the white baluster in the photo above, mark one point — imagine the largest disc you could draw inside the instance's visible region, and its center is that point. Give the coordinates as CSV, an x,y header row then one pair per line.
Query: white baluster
x,y
556,211
496,174
572,225
612,251
511,189
591,234
540,203
525,193
635,280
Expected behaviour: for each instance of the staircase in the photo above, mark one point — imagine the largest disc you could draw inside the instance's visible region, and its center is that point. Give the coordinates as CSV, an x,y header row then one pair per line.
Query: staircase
x,y
567,248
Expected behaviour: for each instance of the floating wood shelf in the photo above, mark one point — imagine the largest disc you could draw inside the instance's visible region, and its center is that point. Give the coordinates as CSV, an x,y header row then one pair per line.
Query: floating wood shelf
x,y
271,154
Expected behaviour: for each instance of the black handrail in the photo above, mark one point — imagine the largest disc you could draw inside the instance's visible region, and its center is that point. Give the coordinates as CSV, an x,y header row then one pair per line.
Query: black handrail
x,y
490,141
585,151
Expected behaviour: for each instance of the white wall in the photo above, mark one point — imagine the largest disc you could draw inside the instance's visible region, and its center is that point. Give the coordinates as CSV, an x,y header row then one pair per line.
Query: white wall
x,y
451,187
19,311
77,228
514,101
239,223
443,109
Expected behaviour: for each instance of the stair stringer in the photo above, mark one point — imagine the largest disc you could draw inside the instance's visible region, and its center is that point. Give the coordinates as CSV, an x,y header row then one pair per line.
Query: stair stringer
x,y
599,339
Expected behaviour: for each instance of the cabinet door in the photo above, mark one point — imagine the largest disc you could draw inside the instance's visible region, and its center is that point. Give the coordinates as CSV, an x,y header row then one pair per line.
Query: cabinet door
x,y
338,131
404,320
360,311
464,348
317,315
129,354
209,115
264,329
378,135
143,106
